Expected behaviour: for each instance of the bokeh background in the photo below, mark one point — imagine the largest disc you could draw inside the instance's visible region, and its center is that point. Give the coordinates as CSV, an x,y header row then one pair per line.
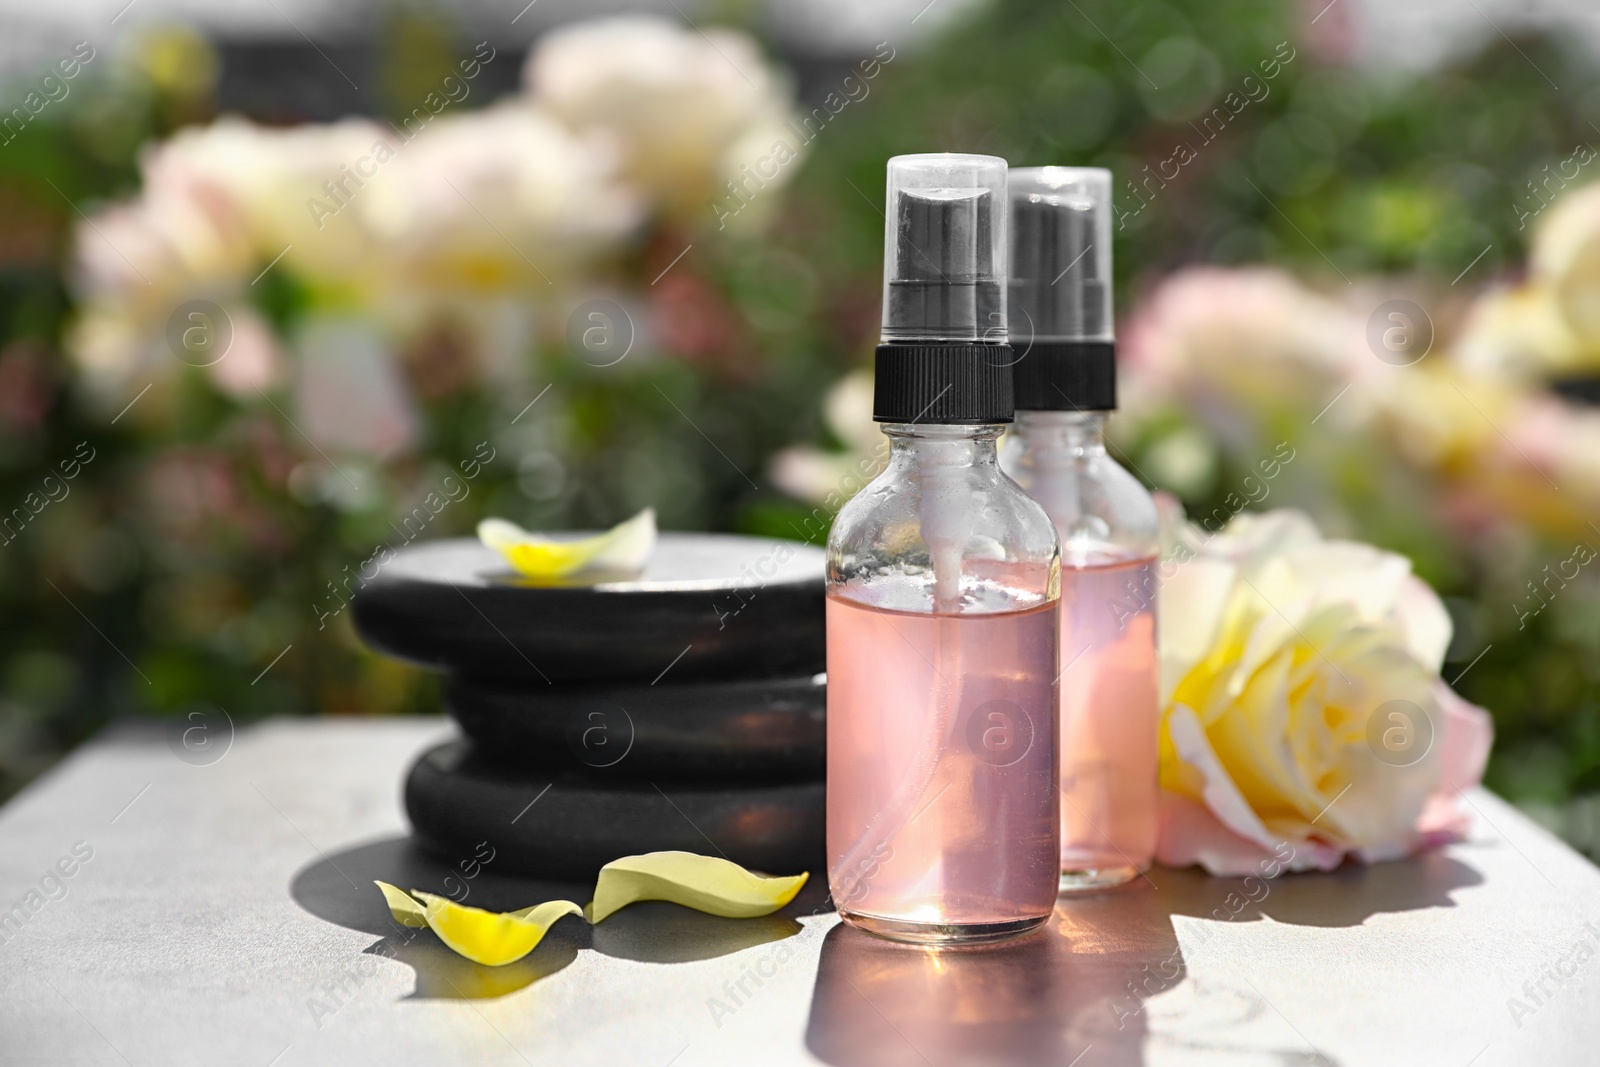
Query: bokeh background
x,y
240,348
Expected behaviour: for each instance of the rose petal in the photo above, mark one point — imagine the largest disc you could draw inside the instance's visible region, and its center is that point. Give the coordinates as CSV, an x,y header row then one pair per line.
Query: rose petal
x,y
491,938
1426,623
705,883
1468,734
1191,834
404,908
625,546
1194,601
1253,537
1219,792
1351,573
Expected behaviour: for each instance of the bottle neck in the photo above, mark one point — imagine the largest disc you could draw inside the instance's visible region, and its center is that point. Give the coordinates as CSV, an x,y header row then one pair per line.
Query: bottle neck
x,y
948,465
953,447
1080,433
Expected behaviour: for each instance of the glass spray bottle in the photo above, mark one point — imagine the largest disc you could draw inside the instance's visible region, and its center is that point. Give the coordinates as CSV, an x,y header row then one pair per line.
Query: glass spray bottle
x,y
1065,374
943,587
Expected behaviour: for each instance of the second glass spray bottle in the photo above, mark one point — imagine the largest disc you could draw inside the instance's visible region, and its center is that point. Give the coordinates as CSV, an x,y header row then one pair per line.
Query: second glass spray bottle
x,y
1065,381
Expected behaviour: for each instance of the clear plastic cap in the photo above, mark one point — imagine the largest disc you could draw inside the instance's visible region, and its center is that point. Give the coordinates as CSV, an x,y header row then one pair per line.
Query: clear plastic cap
x,y
1060,254
944,249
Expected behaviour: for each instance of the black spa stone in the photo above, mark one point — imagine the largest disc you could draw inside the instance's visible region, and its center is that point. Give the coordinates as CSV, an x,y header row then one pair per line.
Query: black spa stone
x,y
705,606
756,730
565,827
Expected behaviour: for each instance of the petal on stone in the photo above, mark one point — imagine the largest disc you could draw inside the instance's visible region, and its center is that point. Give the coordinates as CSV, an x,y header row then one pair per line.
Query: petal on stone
x,y
625,546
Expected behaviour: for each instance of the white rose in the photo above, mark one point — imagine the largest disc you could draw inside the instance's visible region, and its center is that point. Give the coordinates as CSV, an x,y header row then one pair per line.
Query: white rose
x,y
1304,718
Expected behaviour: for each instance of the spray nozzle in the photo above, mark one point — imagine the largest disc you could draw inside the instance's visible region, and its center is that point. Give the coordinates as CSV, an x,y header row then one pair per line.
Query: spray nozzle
x,y
944,249
1061,254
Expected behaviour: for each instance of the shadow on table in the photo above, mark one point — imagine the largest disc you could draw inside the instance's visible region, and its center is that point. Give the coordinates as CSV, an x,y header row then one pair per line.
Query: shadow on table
x,y
1083,980
339,889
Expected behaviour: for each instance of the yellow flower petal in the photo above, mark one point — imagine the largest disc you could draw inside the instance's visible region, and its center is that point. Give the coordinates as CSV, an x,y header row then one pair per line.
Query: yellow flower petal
x,y
625,546
404,908
705,883
489,937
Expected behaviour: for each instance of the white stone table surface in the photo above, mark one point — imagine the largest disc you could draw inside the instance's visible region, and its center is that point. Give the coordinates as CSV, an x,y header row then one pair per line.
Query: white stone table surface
x,y
223,914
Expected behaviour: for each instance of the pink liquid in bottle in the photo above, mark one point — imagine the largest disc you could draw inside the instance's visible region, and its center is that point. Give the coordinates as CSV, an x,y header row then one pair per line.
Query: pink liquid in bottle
x,y
942,810
1109,721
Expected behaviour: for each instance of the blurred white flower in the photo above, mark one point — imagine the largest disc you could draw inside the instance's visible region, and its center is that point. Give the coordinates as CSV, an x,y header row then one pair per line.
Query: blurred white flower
x,y
218,203
1518,440
687,111
496,199
1439,418
162,246
291,187
1285,659
493,201
1565,259
1517,336
450,231
111,341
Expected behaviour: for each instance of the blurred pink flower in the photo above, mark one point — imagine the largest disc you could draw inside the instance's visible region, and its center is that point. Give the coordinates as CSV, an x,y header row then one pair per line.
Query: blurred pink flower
x,y
186,232
1225,337
349,396
1550,437
252,362
694,320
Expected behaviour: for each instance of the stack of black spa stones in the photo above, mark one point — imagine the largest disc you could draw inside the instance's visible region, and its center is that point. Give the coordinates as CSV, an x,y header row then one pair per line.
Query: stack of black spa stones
x,y
681,707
